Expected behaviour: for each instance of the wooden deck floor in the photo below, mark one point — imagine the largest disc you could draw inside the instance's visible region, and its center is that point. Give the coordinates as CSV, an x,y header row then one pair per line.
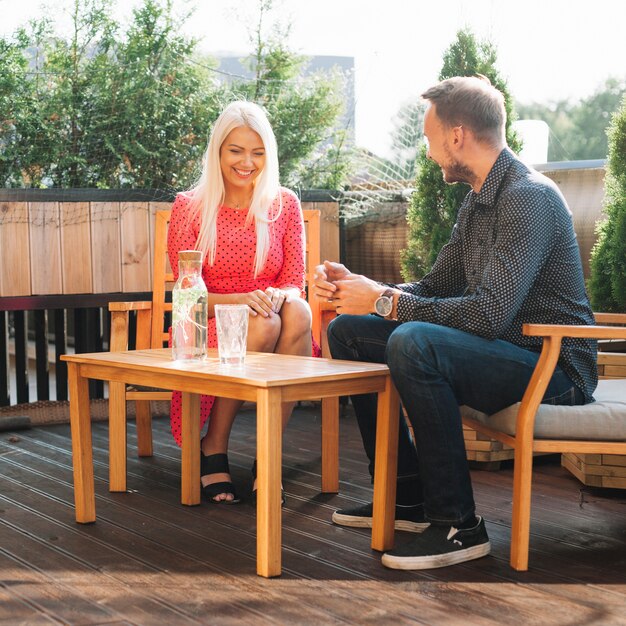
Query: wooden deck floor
x,y
149,560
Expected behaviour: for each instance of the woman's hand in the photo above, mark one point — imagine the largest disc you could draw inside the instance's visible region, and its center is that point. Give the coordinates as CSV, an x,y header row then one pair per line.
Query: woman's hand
x,y
278,298
259,301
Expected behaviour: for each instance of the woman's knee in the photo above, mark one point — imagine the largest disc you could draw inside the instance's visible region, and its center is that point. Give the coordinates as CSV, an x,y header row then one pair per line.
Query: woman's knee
x,y
263,332
296,318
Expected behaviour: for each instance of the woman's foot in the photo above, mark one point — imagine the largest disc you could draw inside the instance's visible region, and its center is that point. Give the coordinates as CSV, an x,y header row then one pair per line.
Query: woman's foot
x,y
217,487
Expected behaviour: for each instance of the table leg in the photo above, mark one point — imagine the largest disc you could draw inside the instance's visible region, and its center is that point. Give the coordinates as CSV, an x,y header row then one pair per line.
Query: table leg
x,y
190,435
269,470
330,445
386,468
117,436
82,452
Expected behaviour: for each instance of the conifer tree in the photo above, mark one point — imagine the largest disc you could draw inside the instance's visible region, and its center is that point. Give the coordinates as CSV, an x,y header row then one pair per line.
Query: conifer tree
x,y
607,285
432,211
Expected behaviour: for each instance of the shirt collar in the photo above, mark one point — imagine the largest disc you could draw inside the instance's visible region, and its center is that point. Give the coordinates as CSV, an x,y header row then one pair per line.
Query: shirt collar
x,y
488,194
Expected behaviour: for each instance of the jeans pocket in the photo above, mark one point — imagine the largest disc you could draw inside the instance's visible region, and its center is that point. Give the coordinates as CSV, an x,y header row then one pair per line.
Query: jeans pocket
x,y
568,398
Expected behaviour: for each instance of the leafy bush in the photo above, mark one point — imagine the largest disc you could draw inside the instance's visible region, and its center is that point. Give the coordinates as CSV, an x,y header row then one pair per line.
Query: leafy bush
x,y
106,108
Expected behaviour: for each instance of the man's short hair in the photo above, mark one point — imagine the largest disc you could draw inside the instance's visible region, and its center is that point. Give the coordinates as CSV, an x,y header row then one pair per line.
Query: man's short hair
x,y
470,101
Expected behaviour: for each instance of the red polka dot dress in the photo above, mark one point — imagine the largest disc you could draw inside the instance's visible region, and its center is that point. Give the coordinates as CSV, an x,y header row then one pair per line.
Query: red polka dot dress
x,y
233,270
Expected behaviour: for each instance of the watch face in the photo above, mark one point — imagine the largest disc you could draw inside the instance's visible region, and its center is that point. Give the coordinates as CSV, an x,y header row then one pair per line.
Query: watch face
x,y
384,306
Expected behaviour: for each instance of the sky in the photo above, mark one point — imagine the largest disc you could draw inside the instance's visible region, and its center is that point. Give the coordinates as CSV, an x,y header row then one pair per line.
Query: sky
x,y
547,49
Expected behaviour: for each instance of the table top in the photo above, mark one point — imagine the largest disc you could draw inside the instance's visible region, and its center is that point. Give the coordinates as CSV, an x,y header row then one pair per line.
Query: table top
x,y
261,369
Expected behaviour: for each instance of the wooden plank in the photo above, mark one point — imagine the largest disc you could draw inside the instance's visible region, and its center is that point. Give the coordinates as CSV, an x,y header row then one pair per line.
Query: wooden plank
x,y
106,257
15,268
614,371
614,459
135,238
596,466
571,466
484,446
592,459
469,434
45,248
613,483
76,247
487,457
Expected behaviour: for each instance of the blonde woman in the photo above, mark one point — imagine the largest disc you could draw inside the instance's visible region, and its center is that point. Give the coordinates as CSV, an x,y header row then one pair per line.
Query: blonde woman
x,y
251,232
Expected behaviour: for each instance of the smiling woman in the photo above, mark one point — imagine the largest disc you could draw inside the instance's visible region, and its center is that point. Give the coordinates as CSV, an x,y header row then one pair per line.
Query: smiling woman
x,y
251,232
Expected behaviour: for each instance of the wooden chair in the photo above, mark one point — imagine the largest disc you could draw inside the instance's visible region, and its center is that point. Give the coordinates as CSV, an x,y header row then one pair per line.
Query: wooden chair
x,y
529,426
151,333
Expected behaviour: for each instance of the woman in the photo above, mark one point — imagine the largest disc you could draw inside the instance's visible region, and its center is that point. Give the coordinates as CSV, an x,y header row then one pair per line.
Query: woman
x,y
251,231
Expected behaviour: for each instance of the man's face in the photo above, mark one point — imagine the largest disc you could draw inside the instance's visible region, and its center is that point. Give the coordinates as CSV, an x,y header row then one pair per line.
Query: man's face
x,y
439,140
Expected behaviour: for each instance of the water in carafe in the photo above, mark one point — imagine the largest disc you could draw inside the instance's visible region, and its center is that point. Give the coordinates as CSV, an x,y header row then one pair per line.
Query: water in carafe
x,y
189,308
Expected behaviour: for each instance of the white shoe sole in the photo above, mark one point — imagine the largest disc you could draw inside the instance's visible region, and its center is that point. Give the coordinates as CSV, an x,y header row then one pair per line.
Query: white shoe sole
x,y
437,560
356,521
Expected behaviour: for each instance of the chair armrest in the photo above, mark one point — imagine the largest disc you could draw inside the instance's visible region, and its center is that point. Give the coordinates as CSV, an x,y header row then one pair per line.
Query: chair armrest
x,y
118,341
580,331
610,318
553,335
130,306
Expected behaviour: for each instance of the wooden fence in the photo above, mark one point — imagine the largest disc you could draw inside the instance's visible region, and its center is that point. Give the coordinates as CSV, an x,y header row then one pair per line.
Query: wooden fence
x,y
58,246
64,255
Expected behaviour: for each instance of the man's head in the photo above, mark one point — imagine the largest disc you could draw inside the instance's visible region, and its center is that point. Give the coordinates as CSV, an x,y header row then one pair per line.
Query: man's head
x,y
471,102
464,121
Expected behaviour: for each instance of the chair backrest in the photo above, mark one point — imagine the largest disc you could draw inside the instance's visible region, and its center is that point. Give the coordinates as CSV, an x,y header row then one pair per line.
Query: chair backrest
x,y
163,277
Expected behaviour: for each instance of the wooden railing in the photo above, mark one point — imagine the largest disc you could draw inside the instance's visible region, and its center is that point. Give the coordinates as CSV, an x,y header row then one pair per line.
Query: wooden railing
x,y
64,255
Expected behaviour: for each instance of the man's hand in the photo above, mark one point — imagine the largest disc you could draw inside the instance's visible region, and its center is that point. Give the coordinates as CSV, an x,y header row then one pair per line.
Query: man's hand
x,y
355,294
325,276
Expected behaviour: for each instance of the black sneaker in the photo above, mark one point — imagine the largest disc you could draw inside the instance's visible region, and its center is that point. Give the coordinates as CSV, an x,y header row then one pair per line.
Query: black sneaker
x,y
440,546
409,518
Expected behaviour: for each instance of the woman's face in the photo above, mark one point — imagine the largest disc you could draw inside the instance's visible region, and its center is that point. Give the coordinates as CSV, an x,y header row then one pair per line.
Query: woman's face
x,y
242,157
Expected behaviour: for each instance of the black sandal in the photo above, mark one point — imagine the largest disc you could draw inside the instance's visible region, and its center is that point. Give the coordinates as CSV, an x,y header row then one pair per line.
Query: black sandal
x,y
217,464
282,491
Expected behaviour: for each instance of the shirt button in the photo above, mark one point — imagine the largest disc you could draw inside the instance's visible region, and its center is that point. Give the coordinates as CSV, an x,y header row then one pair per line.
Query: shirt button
x,y
473,272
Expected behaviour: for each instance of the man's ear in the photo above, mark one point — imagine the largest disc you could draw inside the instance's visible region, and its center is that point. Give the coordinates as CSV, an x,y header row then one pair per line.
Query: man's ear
x,y
458,136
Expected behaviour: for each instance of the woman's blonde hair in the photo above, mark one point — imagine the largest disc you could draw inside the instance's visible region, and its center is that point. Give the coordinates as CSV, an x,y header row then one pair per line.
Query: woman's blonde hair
x,y
208,194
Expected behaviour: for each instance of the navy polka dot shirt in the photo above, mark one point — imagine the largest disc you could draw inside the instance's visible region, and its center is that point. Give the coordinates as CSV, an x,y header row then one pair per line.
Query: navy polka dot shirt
x,y
512,259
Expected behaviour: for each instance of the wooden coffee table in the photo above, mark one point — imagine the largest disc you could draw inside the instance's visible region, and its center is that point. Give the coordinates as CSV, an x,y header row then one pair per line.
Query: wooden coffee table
x,y
268,380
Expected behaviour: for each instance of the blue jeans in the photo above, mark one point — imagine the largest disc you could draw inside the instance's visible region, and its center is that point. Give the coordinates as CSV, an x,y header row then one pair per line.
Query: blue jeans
x,y
436,369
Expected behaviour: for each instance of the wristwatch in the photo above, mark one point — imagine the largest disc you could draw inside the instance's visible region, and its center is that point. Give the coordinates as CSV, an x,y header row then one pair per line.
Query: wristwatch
x,y
384,303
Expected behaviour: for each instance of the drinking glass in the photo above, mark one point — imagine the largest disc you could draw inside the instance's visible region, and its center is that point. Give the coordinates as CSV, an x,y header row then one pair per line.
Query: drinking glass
x,y
231,321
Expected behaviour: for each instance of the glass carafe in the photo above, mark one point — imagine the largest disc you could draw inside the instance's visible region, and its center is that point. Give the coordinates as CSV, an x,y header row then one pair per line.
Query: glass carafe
x,y
189,308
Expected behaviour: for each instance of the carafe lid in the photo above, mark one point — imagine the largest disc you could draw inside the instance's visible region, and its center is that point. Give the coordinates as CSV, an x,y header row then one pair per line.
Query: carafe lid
x,y
190,255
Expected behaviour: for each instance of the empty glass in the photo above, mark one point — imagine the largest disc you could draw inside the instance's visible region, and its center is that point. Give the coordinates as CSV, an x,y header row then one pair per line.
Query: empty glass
x,y
231,321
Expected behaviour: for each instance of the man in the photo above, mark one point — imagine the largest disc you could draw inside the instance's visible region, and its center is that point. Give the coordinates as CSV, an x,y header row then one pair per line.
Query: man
x,y
455,337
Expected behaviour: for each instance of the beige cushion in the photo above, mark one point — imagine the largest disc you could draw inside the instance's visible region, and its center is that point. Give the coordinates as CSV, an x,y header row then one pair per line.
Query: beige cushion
x,y
604,419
